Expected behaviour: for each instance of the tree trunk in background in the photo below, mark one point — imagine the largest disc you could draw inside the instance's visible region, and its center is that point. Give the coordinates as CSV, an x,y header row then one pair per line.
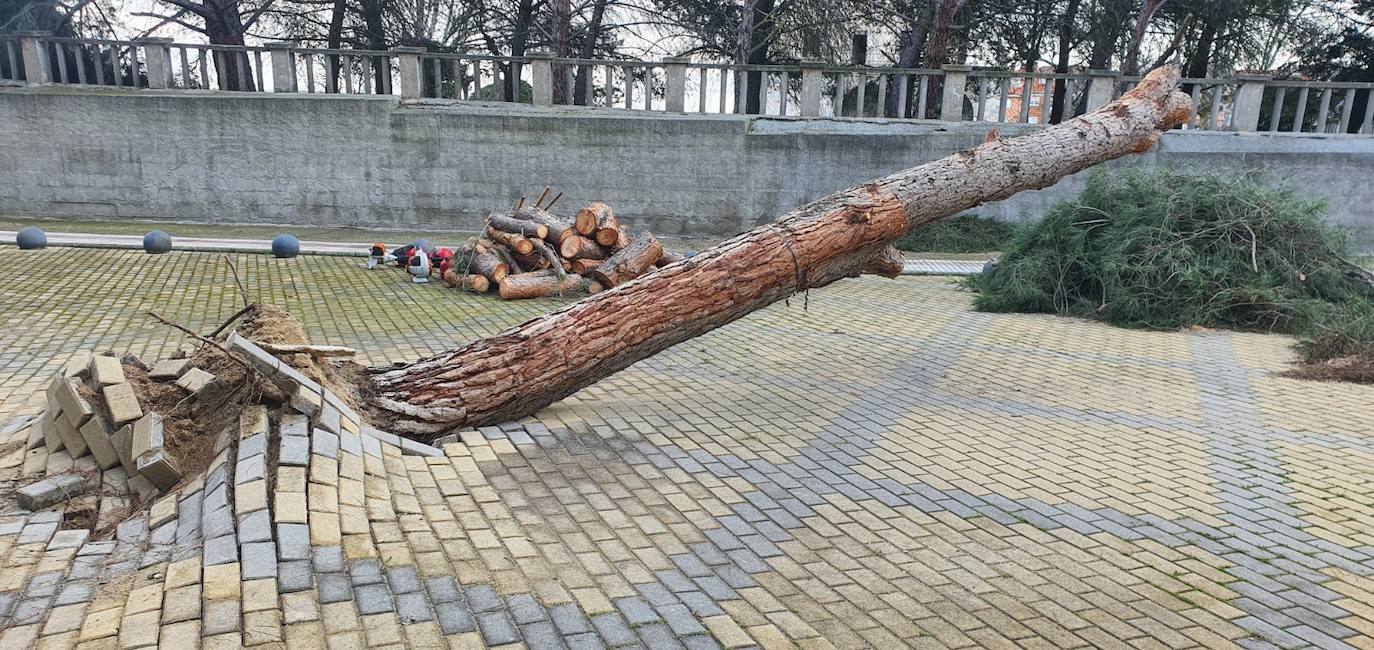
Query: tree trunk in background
x,y
581,87
913,46
375,37
523,15
937,46
1148,9
562,26
755,36
334,40
223,26
1061,64
527,367
1201,56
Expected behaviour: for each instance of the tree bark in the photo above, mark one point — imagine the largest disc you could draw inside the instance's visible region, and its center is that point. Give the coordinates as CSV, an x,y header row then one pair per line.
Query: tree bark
x,y
516,243
580,90
518,226
1148,9
557,226
590,218
629,262
525,368
576,246
888,263
538,285
562,27
1061,64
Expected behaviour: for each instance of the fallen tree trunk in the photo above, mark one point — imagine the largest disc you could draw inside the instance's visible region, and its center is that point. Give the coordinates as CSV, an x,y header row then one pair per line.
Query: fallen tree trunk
x,y
527,367
630,262
538,284
889,263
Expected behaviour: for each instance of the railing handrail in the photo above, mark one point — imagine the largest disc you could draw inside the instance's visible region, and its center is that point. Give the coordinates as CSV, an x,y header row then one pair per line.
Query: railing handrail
x,y
841,91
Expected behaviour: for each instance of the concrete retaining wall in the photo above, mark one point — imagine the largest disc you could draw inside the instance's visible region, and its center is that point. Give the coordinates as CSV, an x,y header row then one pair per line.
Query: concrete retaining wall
x,y
368,162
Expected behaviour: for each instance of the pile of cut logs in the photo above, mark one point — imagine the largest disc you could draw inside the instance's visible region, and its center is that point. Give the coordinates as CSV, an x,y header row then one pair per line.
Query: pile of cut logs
x,y
533,252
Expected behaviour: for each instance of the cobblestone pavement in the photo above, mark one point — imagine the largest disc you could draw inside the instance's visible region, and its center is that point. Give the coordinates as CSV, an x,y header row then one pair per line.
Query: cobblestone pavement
x,y
870,466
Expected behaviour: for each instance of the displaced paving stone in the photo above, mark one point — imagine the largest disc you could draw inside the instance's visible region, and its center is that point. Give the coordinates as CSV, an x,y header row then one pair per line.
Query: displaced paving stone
x,y
46,423
75,408
72,439
122,404
294,451
306,401
96,432
147,435
195,380
106,370
169,369
51,490
157,467
123,440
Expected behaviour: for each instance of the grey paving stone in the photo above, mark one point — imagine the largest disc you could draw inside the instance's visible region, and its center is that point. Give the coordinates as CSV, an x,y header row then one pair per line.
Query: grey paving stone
x,y
372,598
586,640
569,619
96,548
365,572
701,604
403,580
413,608
657,635
164,535
656,594
255,526
43,584
496,628
293,424
217,523
294,575
482,598
36,533
613,629
701,642
328,558
454,617
525,608
293,542
259,560
333,587
324,443
680,619
252,447
64,539
636,610
443,589
249,469
350,443
328,419
30,610
74,592
540,635
294,451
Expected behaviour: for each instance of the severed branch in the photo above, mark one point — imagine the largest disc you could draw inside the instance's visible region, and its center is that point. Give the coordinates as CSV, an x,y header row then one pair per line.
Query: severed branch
x,y
302,348
238,314
554,262
242,291
192,333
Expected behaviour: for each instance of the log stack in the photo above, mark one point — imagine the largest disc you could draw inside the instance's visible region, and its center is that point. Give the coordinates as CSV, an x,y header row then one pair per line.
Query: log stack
x,y
532,252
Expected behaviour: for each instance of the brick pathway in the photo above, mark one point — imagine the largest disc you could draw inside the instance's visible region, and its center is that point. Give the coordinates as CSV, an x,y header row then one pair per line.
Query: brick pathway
x,y
881,468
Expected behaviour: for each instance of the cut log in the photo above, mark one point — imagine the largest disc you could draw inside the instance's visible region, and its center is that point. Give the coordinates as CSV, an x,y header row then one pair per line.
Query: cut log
x,y
887,263
484,261
630,262
556,225
584,266
532,365
518,244
611,234
470,282
518,226
538,285
579,247
552,257
668,257
590,217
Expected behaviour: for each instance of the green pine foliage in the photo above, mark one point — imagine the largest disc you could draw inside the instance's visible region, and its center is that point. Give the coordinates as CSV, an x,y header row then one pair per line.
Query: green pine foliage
x,y
1163,249
966,234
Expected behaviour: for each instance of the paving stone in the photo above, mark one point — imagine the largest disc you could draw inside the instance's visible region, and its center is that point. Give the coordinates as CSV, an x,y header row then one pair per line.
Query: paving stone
x,y
365,572
169,369
328,559
569,619
328,420
293,541
636,611
106,370
147,435
324,443
333,587
122,404
252,446
403,580
372,598
248,469
96,432
496,629
525,608
195,380
294,575
122,442
158,468
613,629
454,618
482,598
443,589
413,608
259,560
55,489
680,620
294,451
541,636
